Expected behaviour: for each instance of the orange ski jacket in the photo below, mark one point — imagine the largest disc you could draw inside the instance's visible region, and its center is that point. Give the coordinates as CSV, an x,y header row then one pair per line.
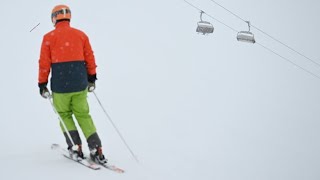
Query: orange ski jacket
x,y
67,52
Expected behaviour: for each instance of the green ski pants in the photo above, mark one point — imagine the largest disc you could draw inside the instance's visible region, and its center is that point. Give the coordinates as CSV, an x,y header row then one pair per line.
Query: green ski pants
x,y
75,103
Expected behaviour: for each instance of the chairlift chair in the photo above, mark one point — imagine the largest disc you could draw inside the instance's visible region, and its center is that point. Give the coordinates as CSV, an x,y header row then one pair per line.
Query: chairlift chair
x,y
204,27
246,36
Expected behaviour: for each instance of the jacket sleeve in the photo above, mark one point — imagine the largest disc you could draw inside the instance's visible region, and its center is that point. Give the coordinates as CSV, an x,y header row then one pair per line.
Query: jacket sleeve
x,y
89,57
44,61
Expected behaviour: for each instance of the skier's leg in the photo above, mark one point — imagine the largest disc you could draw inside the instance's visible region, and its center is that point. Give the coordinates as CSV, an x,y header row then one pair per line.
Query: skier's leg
x,y
62,103
80,109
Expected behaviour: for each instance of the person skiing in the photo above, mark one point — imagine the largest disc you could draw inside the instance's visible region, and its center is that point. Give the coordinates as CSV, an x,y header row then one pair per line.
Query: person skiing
x,y
67,52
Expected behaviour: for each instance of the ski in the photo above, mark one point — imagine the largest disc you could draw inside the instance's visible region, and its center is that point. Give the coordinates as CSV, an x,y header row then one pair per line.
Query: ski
x,y
111,167
65,154
85,162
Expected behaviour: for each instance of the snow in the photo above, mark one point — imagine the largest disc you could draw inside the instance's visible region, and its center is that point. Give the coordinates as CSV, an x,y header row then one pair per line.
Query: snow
x,y
189,106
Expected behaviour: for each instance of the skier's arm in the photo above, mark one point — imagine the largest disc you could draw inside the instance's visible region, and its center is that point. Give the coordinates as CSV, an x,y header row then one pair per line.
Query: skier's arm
x,y
89,58
44,62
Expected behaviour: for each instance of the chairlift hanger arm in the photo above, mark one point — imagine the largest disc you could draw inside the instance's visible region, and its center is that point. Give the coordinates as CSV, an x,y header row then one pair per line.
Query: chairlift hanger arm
x,y
249,24
201,12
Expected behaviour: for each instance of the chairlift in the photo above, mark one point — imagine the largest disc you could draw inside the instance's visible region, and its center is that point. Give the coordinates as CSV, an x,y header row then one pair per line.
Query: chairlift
x,y
204,27
246,36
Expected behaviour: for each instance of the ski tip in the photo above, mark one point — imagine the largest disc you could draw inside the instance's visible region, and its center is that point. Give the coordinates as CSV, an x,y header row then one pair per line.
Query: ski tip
x,y
119,171
116,169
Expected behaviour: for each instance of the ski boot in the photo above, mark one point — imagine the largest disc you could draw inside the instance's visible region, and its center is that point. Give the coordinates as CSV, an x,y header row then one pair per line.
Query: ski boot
x,y
97,156
76,152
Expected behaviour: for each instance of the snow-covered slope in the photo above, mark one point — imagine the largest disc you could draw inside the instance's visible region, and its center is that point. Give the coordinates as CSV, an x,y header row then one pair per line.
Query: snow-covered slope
x,y
189,106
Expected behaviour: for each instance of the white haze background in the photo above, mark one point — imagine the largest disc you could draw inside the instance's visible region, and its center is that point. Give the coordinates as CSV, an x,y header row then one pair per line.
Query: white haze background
x,y
190,106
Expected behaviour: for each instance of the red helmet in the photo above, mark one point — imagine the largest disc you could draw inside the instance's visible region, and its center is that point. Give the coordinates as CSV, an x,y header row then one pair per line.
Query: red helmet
x,y
60,12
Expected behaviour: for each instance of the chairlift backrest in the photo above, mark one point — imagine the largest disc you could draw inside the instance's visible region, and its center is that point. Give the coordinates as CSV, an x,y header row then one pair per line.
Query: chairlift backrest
x,y
246,36
204,23
204,27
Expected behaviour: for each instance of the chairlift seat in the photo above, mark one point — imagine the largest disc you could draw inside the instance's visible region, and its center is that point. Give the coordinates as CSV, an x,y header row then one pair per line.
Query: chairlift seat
x,y
204,27
246,36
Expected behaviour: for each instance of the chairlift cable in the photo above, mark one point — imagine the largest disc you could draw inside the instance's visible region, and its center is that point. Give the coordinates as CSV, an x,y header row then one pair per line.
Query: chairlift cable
x,y
222,22
275,39
228,10
288,60
263,46
194,6
286,45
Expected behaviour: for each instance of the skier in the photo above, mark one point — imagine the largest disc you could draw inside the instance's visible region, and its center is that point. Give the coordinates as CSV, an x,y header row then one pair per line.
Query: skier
x,y
67,52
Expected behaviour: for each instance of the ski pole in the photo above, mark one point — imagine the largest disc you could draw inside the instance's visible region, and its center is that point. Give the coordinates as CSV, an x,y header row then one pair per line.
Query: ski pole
x,y
115,127
61,121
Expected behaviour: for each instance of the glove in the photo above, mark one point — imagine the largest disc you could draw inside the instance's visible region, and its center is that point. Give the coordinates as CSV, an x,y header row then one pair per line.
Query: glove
x,y
44,92
91,85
